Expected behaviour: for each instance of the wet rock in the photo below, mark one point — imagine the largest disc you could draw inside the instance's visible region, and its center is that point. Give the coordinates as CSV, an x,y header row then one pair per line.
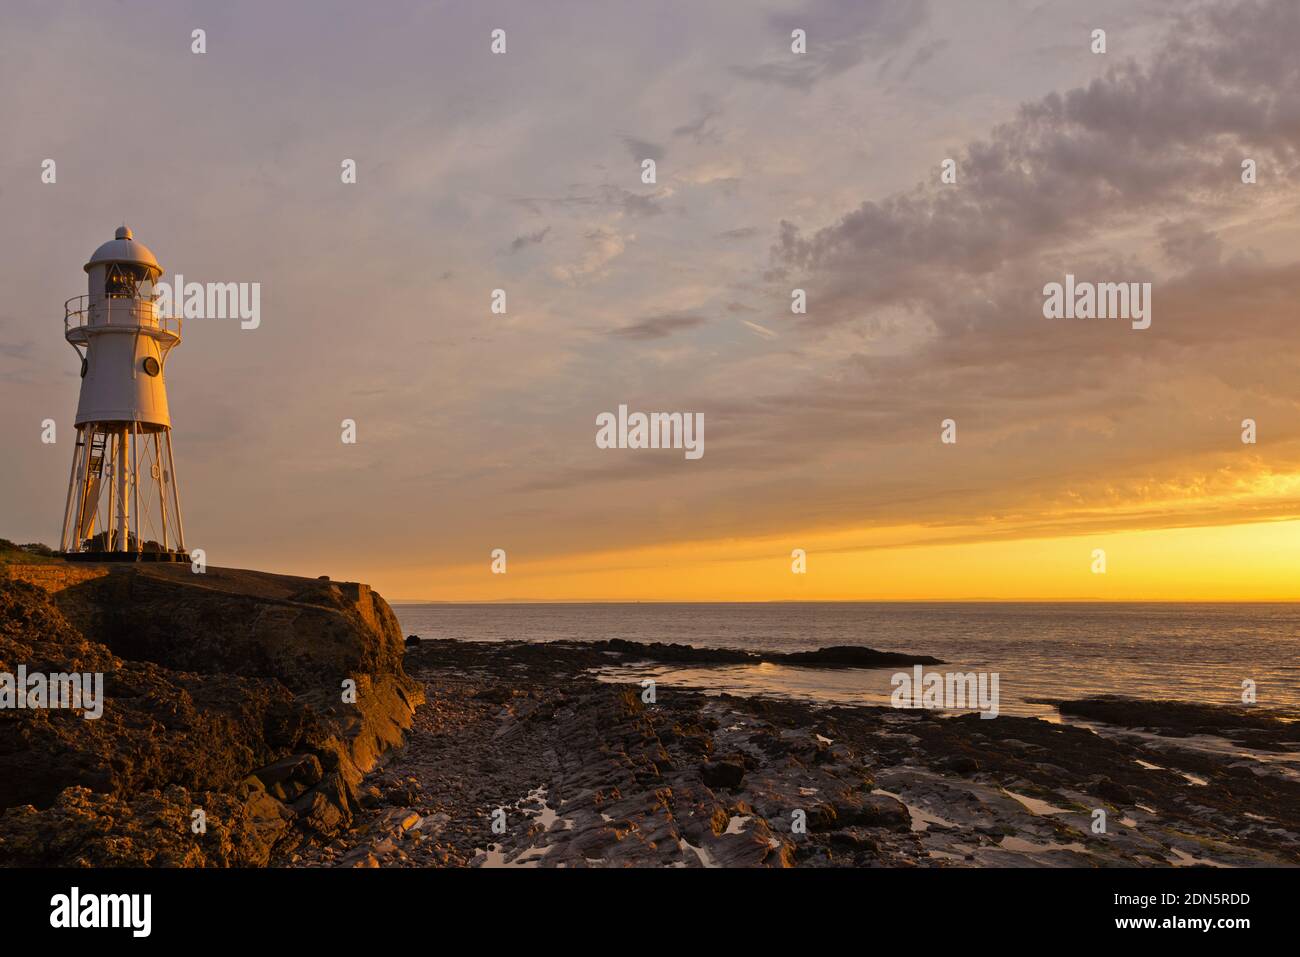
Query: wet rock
x,y
627,786
960,764
857,838
850,656
866,810
723,773
498,694
1263,728
835,656
1112,791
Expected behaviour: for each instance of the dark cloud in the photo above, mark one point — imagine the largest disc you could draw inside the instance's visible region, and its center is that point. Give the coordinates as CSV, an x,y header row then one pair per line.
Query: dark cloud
x,y
1134,146
634,204
658,327
641,149
608,196
528,239
702,128
924,55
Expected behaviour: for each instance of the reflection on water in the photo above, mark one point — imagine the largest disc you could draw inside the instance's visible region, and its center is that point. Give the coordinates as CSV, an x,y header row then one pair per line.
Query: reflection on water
x,y
1197,652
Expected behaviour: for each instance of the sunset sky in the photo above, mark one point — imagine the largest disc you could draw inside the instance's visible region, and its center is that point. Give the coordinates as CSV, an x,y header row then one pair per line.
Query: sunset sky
x,y
775,171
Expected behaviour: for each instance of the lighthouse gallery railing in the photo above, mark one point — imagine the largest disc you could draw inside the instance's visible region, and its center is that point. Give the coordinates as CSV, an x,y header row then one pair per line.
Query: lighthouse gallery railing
x,y
79,312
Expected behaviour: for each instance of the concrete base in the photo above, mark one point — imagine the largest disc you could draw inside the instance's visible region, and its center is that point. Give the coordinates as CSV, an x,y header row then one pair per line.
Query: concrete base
x,y
125,556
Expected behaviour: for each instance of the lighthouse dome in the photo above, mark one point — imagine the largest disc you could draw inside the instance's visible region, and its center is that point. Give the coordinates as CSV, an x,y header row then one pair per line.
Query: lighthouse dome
x,y
123,248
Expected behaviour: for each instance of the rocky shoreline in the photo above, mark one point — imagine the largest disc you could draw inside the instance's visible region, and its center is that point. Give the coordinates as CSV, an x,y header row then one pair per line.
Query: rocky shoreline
x,y
227,696
588,774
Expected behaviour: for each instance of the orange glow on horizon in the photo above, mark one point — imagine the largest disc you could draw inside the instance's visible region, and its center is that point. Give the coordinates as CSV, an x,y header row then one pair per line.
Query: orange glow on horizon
x,y
1245,562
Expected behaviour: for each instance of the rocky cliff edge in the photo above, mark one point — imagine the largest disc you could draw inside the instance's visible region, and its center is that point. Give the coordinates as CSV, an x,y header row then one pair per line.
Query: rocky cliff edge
x,y
241,711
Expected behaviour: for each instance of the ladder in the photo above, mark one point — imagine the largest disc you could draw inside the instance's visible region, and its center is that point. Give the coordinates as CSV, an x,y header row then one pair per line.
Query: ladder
x,y
94,471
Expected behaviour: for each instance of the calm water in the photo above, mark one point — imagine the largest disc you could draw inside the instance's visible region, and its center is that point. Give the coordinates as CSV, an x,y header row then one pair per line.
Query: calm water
x,y
1198,652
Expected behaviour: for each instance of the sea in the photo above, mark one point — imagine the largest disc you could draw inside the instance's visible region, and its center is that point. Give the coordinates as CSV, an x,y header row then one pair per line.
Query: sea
x,y
1203,652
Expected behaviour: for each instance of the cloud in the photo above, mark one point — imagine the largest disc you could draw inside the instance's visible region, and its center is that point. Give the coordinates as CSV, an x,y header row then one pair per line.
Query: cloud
x,y
528,239
1134,145
1189,244
605,196
634,204
658,327
602,247
924,55
643,149
926,303
701,130
840,36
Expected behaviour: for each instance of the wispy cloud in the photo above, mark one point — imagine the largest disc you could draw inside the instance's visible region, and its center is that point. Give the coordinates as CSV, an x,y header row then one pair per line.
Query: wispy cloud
x,y
658,327
529,239
640,149
840,36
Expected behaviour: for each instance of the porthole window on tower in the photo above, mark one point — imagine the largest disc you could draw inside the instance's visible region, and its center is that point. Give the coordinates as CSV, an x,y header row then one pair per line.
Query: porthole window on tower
x,y
151,365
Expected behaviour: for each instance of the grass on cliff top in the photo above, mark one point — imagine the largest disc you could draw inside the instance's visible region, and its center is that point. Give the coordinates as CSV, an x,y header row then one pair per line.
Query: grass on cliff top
x,y
32,554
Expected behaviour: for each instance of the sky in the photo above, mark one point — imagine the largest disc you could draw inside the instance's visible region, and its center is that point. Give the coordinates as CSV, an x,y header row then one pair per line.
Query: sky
x,y
819,171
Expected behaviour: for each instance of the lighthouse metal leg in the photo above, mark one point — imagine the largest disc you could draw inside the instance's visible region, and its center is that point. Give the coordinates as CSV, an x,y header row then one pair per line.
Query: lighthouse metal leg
x,y
72,488
110,512
162,487
123,473
176,491
86,478
135,484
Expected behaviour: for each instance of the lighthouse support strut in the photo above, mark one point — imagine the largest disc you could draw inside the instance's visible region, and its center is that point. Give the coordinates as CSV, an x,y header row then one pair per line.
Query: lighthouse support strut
x,y
135,484
123,476
72,487
176,493
162,487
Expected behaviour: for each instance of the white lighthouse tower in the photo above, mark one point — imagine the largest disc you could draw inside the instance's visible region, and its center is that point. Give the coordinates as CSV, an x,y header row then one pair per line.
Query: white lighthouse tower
x,y
123,500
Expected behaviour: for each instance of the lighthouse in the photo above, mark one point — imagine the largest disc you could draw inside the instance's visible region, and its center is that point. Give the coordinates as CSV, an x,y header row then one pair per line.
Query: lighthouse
x,y
123,503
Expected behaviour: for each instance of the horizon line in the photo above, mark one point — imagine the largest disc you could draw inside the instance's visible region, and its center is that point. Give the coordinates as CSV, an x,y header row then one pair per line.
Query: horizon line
x,y
845,601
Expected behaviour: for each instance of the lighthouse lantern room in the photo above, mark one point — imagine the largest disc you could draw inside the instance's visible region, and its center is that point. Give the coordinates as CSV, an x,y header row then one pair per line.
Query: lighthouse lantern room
x,y
123,499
